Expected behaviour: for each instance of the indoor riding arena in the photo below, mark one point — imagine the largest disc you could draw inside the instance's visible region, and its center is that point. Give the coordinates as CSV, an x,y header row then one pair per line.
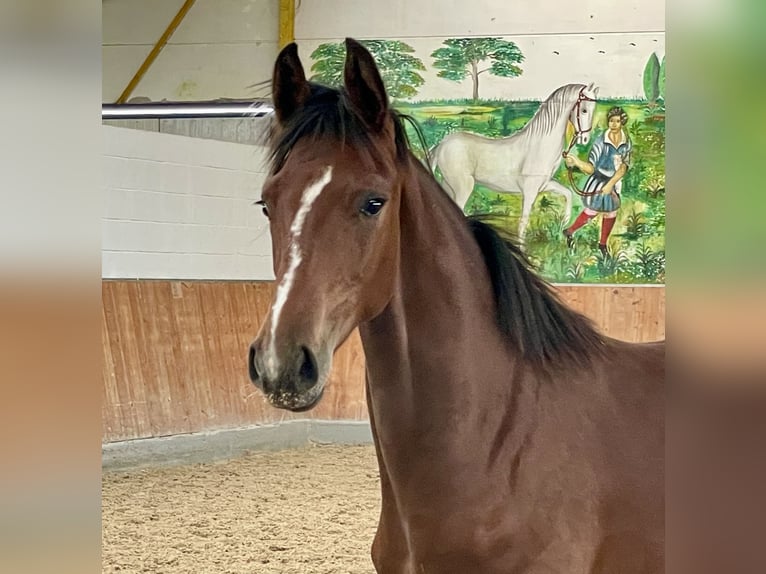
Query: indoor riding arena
x,y
201,472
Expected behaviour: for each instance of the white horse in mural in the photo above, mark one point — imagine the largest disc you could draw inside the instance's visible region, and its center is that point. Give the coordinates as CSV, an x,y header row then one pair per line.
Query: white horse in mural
x,y
524,162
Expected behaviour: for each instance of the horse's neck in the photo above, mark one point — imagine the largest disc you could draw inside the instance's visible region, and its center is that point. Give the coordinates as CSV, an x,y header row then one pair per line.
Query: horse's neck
x,y
422,351
441,267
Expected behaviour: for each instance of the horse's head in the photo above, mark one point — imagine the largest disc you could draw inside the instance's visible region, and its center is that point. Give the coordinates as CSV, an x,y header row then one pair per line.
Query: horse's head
x,y
582,112
332,199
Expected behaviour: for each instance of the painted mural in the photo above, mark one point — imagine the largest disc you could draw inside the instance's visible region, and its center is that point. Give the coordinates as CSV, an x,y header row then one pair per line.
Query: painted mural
x,y
562,138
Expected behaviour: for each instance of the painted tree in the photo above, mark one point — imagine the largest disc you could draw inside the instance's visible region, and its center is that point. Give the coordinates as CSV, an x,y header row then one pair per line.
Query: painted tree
x,y
661,81
398,67
329,60
463,57
652,79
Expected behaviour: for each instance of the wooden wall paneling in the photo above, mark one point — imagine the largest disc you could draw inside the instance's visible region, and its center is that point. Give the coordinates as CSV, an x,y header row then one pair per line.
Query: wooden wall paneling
x,y
130,384
150,321
193,334
128,312
168,359
112,419
627,313
175,353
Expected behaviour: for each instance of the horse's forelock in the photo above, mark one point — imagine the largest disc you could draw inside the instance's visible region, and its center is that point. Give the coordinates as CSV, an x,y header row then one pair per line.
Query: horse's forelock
x,y
327,114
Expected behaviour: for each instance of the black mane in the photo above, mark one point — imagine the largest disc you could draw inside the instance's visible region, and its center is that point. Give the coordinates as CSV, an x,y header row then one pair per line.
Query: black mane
x,y
529,312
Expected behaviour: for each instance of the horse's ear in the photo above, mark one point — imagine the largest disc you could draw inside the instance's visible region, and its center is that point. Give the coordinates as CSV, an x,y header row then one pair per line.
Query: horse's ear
x,y
289,88
365,88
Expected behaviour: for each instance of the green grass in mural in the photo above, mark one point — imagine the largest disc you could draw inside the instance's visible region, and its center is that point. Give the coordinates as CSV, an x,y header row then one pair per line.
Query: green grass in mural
x,y
637,242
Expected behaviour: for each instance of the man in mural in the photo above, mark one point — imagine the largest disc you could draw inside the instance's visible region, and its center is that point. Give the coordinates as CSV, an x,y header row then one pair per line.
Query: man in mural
x,y
608,161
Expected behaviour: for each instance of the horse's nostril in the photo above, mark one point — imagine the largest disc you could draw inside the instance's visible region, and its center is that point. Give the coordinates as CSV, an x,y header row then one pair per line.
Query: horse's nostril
x,y
309,371
251,364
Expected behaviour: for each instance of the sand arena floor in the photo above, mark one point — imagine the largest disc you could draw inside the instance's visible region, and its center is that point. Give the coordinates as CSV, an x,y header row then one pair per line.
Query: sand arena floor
x,y
296,511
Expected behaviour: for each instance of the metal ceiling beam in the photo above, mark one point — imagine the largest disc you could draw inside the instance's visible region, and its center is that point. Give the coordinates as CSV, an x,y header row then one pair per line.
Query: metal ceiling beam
x,y
186,110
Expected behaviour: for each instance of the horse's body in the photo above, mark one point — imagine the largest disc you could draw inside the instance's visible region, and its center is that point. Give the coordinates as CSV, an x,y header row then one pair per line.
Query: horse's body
x,y
511,437
487,464
524,162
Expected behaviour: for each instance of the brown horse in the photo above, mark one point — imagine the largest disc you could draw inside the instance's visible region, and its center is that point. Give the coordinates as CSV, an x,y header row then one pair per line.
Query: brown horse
x,y
511,436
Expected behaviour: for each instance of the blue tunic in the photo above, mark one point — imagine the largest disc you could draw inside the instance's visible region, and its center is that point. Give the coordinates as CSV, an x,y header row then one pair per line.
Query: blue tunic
x,y
606,158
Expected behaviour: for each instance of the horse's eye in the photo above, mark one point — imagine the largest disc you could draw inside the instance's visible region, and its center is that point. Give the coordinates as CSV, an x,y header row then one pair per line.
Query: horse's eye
x,y
373,206
264,207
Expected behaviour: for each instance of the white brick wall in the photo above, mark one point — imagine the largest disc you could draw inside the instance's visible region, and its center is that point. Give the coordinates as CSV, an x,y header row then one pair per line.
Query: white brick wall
x,y
182,208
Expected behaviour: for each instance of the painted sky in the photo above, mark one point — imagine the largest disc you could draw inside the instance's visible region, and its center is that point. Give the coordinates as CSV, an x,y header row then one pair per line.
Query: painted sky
x,y
615,62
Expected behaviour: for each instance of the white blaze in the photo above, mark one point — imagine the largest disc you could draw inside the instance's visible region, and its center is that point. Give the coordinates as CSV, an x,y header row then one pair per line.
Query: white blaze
x,y
310,195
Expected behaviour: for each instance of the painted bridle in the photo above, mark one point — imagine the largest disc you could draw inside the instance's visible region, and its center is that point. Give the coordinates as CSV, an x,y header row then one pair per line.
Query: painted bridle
x,y
578,132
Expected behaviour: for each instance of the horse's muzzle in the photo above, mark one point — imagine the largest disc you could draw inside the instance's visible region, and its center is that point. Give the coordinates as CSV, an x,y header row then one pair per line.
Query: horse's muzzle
x,y
291,384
